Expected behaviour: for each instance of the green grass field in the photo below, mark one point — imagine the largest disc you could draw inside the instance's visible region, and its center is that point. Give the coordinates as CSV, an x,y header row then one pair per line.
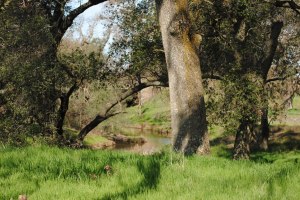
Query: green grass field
x,y
42,172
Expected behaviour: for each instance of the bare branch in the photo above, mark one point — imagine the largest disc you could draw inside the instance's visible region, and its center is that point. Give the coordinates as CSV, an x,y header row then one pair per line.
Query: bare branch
x,y
276,79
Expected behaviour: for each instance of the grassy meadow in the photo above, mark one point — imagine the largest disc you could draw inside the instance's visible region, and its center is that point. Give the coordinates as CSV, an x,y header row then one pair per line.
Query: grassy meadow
x,y
42,172
48,172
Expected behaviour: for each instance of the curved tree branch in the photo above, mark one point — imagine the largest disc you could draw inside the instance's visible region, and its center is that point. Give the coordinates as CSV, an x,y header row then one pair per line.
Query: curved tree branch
x,y
130,92
270,49
102,116
288,4
68,20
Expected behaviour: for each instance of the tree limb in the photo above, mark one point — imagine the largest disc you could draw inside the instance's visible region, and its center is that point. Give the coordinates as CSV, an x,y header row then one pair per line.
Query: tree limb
x,y
105,114
276,79
286,4
67,70
130,92
64,106
271,47
68,20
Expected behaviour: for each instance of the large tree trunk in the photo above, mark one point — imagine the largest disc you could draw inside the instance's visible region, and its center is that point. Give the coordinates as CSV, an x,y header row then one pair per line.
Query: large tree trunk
x,y
241,148
185,80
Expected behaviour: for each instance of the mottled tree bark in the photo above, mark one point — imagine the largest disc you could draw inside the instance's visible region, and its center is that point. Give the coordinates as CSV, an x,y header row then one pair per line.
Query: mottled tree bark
x,y
241,149
185,80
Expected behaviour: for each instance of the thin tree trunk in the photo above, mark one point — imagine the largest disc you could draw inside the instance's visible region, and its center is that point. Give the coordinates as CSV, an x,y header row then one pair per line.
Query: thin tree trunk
x,y
64,106
266,63
265,130
185,79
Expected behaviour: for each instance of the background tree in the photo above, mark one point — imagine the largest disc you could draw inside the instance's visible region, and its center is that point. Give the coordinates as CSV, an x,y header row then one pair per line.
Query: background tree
x,y
41,80
240,44
137,49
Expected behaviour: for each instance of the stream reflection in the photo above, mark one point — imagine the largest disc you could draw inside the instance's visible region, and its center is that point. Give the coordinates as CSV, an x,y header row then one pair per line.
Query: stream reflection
x,y
154,143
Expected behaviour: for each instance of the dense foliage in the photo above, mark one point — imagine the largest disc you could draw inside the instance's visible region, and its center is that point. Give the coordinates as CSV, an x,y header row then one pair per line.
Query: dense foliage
x,y
29,75
244,47
137,48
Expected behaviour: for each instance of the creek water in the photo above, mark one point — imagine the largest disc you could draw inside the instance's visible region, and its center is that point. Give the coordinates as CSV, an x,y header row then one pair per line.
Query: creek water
x,y
154,143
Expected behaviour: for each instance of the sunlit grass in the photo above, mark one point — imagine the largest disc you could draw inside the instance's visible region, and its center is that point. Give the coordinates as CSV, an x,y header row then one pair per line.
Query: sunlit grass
x,y
296,102
92,139
155,112
42,172
53,173
296,107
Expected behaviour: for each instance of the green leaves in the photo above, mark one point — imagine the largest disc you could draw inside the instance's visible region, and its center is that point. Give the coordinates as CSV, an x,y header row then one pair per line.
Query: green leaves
x,y
29,70
138,49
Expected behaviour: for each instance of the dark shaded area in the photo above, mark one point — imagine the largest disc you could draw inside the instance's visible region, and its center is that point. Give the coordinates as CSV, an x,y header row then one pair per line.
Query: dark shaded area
x,y
290,141
193,127
282,139
150,170
224,152
227,140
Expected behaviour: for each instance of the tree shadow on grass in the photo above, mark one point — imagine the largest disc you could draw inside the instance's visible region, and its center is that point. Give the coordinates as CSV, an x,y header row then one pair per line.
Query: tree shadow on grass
x,y
150,170
282,139
224,145
286,141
